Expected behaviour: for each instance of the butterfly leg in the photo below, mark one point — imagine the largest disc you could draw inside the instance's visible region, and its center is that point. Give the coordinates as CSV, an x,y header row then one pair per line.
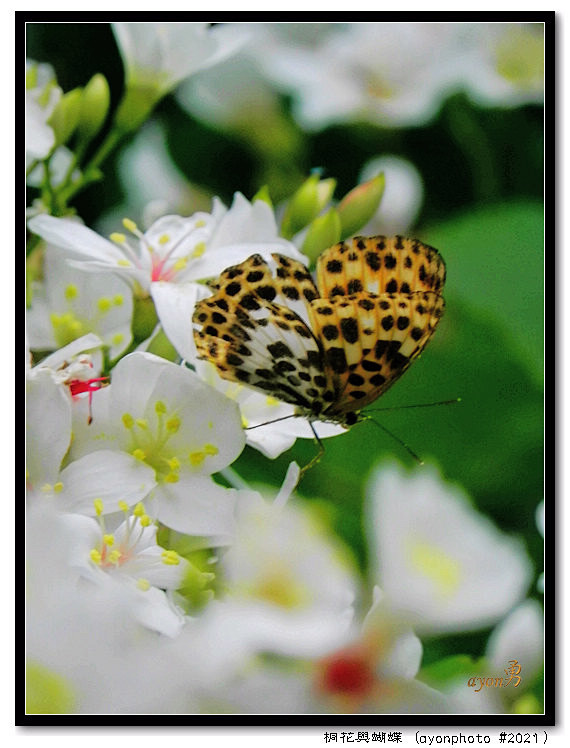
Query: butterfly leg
x,y
317,457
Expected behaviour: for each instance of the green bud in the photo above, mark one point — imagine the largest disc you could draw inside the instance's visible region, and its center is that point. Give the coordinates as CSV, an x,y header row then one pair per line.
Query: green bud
x,y
307,202
263,194
145,318
161,346
94,107
65,117
138,102
359,205
323,232
31,77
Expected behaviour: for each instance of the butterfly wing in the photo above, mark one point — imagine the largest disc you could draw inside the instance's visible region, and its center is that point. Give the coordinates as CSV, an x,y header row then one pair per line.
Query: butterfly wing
x,y
378,265
369,341
282,280
254,340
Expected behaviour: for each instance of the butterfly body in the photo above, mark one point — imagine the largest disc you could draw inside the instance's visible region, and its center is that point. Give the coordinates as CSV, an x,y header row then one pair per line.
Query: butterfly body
x,y
332,348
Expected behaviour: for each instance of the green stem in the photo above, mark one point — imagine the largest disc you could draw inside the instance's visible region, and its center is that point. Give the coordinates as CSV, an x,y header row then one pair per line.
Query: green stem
x,y
90,172
32,166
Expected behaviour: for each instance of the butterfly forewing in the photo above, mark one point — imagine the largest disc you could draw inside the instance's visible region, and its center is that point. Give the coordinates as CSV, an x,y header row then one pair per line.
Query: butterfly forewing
x,y
379,264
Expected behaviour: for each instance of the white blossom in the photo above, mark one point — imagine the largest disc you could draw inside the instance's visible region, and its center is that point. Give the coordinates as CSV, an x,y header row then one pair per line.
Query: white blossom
x,y
441,564
69,303
166,418
163,54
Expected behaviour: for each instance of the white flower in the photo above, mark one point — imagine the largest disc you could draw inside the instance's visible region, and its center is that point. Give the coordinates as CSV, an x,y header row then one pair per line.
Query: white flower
x,y
163,54
53,386
256,408
238,91
502,64
42,95
129,556
233,93
286,580
402,198
48,428
392,73
70,303
86,650
520,637
373,672
108,476
173,423
269,423
173,252
441,564
80,359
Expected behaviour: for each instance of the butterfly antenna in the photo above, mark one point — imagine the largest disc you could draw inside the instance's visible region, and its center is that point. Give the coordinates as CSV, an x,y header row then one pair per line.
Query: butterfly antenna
x,y
275,420
417,405
316,458
408,449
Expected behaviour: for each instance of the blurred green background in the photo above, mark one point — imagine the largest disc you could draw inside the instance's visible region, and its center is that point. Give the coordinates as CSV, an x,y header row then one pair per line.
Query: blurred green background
x,y
483,209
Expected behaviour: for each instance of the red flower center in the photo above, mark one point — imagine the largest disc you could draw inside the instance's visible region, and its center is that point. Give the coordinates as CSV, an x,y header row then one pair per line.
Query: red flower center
x,y
347,673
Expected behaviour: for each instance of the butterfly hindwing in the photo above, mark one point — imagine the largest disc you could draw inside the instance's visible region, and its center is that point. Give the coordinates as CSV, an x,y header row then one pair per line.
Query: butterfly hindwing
x,y
378,265
369,341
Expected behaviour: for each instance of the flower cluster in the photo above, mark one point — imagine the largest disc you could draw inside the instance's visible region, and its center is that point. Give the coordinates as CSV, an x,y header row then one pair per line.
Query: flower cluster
x,y
151,559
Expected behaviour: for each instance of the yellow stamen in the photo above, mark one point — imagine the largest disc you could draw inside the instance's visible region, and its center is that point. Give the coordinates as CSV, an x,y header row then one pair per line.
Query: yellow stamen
x,y
170,558
71,292
130,225
128,420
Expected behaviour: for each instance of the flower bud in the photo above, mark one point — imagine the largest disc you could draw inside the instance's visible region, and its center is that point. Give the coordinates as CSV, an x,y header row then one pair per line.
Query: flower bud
x,y
359,205
161,346
145,318
263,194
323,232
311,197
138,102
94,107
65,116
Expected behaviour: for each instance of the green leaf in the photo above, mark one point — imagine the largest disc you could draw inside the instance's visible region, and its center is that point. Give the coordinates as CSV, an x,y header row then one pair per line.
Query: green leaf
x,y
451,668
495,261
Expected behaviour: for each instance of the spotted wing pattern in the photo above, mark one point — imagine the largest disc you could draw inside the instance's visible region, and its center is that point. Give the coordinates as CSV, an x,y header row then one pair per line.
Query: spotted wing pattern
x,y
254,340
333,350
379,264
282,280
369,341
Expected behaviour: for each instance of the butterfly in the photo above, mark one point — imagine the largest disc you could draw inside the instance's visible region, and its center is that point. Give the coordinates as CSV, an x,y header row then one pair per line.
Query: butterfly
x,y
332,348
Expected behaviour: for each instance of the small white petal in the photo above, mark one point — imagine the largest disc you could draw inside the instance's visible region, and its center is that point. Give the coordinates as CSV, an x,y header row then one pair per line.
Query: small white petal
x,y
48,427
197,506
110,476
519,637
